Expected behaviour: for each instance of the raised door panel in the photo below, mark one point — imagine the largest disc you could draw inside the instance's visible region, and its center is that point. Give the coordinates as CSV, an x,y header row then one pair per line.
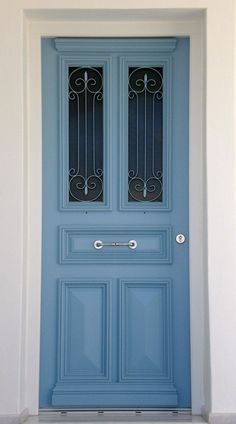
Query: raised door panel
x,y
84,330
145,330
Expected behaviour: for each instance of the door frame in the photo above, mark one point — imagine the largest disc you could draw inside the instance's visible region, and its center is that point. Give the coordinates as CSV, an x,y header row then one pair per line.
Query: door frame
x,y
34,28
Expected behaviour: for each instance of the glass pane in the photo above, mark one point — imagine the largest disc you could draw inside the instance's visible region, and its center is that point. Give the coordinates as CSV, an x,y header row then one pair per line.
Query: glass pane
x,y
85,91
145,134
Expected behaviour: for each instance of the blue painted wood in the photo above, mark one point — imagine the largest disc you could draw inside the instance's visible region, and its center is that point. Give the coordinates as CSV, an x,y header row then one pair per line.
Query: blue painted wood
x,y
145,349
114,396
115,324
84,349
116,45
77,245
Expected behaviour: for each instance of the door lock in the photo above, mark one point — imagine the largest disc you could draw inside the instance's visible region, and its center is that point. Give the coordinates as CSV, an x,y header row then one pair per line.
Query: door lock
x,y
180,238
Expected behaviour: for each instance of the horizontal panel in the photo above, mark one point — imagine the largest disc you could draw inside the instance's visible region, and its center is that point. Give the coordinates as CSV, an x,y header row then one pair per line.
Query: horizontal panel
x,y
120,395
84,330
77,245
145,325
136,45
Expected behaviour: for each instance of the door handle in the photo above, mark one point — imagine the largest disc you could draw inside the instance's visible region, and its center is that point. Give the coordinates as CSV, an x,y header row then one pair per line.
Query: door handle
x,y
132,244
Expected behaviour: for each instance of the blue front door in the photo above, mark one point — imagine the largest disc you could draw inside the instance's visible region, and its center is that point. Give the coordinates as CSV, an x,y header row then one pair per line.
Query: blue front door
x,y
115,278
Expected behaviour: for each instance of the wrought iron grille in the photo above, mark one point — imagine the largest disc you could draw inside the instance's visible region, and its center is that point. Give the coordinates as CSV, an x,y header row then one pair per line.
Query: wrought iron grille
x,y
145,134
85,93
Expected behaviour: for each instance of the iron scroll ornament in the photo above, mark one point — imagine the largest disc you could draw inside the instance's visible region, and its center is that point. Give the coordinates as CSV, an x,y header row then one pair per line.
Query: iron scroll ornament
x,y
145,173
85,93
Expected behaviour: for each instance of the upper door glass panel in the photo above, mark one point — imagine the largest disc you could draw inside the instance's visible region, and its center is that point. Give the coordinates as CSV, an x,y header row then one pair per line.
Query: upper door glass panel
x,y
85,97
145,134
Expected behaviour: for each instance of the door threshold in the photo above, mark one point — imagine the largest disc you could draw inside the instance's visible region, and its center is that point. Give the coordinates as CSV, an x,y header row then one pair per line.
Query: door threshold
x,y
64,411
116,416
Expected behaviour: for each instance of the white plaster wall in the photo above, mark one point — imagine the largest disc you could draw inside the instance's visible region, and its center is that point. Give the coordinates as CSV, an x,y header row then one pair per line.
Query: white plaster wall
x,y
11,196
220,154
220,387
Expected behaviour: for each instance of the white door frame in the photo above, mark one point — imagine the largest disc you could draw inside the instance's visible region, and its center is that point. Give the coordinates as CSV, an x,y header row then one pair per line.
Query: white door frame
x,y
34,29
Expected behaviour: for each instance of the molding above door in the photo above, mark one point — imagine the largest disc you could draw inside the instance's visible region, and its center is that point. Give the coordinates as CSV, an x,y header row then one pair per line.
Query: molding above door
x,y
165,45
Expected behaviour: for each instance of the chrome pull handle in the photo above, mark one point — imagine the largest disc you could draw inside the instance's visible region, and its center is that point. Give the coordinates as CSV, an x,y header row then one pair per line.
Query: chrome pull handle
x,y
132,244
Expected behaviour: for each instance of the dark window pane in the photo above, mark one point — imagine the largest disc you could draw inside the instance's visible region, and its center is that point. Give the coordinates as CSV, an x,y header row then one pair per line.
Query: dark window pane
x,y
85,92
145,135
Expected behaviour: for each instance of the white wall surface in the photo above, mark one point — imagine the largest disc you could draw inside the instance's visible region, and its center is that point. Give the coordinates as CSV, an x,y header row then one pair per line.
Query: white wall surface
x,y
16,284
